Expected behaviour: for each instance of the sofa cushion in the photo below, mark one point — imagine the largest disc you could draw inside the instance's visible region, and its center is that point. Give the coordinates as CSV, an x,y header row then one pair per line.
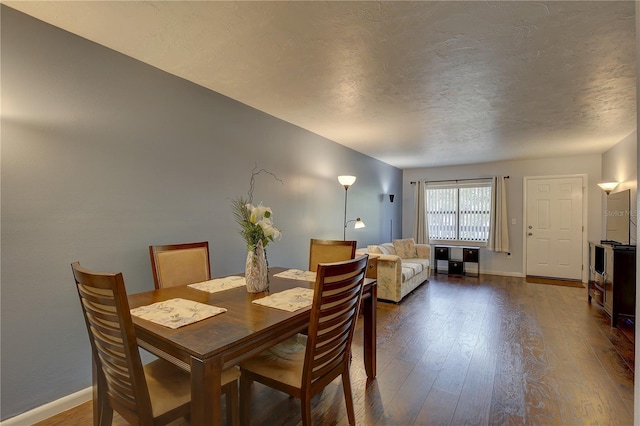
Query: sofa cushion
x,y
405,248
412,267
423,263
409,270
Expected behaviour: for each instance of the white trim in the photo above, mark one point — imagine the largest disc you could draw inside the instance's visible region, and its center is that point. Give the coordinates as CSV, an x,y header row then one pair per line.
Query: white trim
x,y
458,243
50,409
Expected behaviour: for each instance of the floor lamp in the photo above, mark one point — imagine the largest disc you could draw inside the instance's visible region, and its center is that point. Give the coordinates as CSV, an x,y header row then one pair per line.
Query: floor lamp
x,y
347,181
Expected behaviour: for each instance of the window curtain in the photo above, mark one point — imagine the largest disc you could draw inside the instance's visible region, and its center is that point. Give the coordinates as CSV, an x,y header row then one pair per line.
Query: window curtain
x,y
498,222
420,225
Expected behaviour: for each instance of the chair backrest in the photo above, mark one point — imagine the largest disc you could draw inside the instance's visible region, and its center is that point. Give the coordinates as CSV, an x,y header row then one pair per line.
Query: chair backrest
x,y
113,343
180,264
336,301
330,251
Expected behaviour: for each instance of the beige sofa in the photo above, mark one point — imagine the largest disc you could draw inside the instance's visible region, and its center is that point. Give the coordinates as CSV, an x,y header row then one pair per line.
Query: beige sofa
x,y
398,276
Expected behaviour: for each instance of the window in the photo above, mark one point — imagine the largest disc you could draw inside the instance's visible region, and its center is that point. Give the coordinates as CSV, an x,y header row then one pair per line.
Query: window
x,y
459,211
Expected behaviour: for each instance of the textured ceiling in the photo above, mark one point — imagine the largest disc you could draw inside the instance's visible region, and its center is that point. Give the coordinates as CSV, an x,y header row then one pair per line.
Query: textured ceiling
x,y
414,84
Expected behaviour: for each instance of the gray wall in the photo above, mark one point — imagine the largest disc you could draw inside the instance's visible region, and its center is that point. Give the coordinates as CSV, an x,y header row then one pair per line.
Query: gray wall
x,y
620,164
103,155
498,263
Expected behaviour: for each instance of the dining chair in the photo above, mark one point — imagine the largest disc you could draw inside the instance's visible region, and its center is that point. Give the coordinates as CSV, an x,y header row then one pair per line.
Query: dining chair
x,y
303,366
152,394
180,264
329,251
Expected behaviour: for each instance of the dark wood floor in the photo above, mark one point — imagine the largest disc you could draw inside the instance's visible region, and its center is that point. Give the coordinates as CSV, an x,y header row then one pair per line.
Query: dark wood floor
x,y
466,351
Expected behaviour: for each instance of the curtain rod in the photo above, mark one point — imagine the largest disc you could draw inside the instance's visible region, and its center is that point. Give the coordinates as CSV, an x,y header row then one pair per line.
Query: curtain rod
x,y
453,180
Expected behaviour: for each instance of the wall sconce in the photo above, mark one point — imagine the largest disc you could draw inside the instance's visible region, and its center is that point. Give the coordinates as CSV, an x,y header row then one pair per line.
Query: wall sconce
x,y
607,187
391,197
347,181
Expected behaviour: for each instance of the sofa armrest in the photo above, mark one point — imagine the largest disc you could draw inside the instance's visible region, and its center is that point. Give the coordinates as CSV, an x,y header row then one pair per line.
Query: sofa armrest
x,y
423,251
389,272
389,258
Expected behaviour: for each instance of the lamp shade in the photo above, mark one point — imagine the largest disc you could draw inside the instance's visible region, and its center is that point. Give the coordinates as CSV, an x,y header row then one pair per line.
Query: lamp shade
x,y
359,224
608,186
346,181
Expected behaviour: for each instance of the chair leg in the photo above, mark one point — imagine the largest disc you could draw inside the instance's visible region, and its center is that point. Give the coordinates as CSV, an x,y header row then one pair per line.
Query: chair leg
x,y
232,403
348,397
245,398
305,408
102,411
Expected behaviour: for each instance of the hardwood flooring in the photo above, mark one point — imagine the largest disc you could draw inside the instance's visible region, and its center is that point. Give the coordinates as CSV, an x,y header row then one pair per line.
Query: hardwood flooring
x,y
473,351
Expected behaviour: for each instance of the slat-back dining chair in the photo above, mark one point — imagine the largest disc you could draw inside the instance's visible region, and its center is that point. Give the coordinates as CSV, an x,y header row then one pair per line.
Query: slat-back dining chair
x,y
180,264
329,251
323,354
154,394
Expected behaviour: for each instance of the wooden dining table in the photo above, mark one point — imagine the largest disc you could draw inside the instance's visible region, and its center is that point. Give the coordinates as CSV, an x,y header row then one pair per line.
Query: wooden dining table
x,y
207,347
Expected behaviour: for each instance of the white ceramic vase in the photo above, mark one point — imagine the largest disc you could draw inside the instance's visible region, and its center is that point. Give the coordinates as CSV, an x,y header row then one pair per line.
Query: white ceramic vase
x,y
256,270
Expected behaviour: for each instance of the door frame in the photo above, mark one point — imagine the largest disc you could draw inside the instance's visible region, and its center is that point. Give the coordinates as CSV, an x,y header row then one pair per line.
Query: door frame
x,y
585,218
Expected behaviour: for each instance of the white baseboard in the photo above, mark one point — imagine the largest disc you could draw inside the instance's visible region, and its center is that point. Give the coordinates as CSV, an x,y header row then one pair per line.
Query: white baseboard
x,y
50,409
503,274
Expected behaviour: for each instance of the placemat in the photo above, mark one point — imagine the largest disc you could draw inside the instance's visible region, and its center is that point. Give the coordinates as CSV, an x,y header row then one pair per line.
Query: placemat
x,y
297,274
219,284
175,313
289,300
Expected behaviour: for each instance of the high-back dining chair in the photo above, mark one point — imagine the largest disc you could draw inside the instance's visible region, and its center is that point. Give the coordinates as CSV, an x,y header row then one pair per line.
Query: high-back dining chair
x,y
329,251
326,353
154,394
180,264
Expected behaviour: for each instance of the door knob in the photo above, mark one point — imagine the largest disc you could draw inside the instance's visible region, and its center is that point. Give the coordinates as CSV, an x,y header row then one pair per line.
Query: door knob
x,y
530,227
529,233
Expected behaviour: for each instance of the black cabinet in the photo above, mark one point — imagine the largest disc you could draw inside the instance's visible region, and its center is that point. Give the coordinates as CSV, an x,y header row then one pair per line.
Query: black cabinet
x,y
612,279
457,260
456,267
442,253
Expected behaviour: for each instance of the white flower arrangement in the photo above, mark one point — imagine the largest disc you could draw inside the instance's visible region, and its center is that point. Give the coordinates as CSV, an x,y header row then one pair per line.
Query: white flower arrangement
x,y
256,222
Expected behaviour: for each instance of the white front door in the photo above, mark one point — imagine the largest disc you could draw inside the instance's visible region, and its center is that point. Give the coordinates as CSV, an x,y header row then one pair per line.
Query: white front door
x,y
554,227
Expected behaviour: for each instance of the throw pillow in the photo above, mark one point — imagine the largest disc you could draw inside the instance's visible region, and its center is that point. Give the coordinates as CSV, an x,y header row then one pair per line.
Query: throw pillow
x,y
405,248
387,248
374,249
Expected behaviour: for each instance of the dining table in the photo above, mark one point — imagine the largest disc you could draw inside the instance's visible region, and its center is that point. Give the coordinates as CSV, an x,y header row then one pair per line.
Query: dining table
x,y
208,346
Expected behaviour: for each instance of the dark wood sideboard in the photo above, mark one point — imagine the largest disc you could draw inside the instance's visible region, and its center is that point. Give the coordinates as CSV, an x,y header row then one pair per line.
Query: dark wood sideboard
x,y
612,279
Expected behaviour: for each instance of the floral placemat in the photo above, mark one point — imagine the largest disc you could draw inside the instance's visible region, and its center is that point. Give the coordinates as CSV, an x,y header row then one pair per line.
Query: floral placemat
x,y
297,274
174,313
219,284
289,300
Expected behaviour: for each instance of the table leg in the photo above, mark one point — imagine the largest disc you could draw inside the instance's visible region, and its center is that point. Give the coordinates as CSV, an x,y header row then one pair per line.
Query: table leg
x,y
206,392
370,338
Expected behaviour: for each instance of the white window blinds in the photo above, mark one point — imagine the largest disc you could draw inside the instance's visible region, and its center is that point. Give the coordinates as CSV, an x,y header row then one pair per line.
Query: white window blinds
x,y
459,210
